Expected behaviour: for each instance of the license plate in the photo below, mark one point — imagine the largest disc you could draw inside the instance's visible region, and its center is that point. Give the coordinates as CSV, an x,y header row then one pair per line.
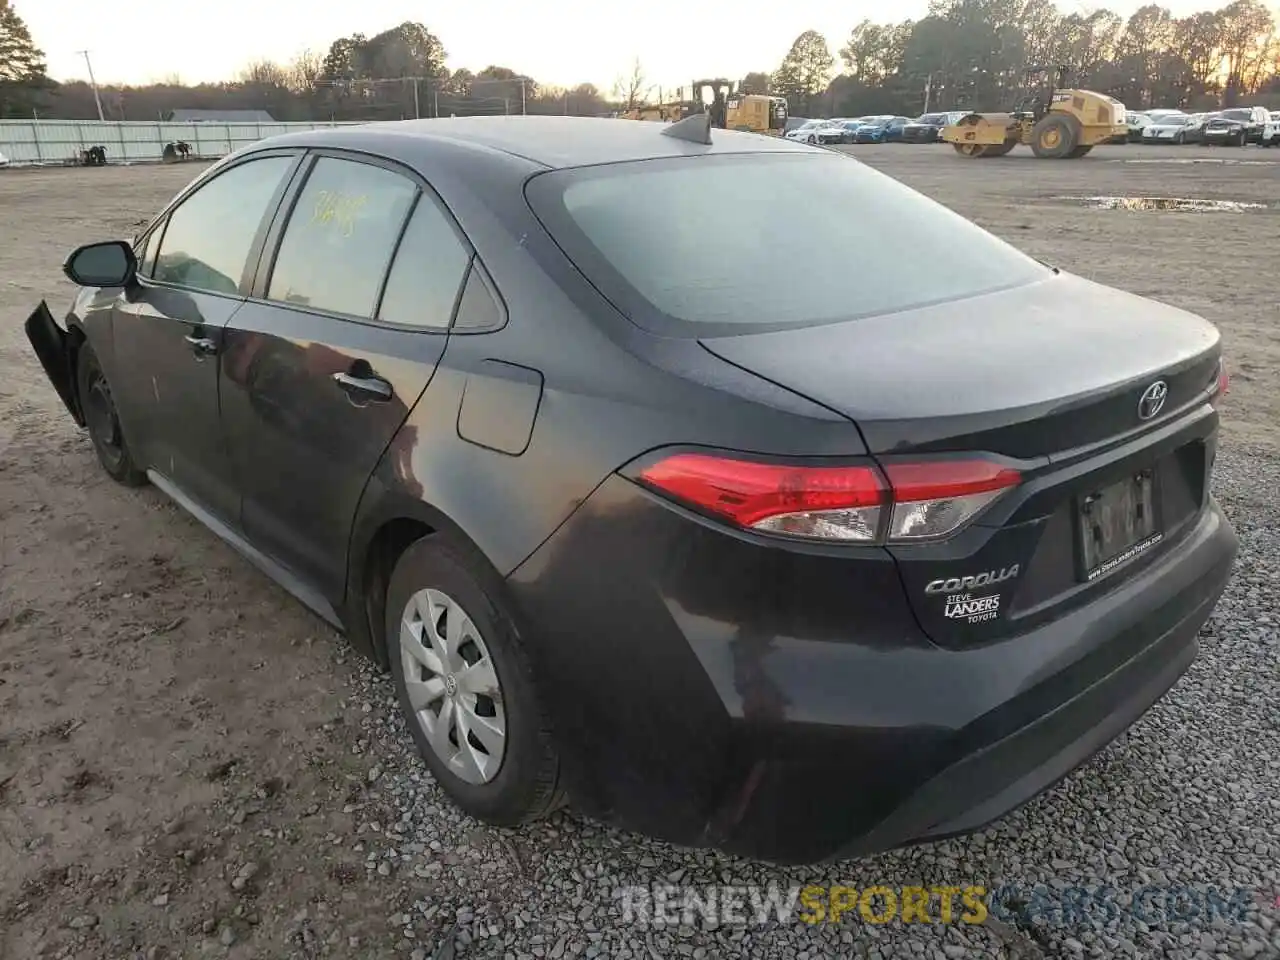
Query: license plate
x,y
1117,524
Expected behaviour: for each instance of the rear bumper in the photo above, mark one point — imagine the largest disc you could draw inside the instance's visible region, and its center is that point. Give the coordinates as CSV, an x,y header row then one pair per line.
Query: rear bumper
x,y
784,705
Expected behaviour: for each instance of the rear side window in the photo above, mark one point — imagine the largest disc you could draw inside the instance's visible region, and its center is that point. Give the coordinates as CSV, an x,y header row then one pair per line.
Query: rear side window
x,y
340,237
430,263
689,245
207,242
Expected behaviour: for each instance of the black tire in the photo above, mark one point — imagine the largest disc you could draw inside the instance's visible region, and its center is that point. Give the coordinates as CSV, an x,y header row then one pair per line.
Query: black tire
x,y
103,421
526,785
1054,137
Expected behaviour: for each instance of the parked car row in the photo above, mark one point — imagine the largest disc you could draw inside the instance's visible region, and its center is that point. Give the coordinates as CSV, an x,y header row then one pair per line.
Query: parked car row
x,y
1234,127
882,128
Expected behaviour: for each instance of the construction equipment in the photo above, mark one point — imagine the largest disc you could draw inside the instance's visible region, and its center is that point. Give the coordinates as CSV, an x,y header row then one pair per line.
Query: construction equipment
x,y
1057,122
729,109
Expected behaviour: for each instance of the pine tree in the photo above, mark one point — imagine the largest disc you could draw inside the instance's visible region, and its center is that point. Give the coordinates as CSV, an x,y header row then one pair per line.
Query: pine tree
x,y
804,71
22,67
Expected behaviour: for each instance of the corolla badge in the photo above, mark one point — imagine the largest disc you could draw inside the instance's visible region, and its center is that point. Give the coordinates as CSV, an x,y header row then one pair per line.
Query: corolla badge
x,y
987,578
1152,400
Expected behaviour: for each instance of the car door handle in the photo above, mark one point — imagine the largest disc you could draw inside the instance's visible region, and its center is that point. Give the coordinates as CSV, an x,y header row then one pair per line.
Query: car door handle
x,y
364,388
201,346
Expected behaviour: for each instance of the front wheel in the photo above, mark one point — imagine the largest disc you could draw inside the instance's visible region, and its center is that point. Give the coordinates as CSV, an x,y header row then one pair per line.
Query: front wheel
x,y
1054,137
98,405
466,686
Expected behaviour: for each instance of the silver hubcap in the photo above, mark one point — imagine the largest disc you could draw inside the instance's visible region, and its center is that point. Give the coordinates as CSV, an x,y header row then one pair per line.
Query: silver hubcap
x,y
452,685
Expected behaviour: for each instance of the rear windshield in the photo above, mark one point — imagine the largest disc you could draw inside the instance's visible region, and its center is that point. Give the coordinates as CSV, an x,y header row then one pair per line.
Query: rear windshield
x,y
769,240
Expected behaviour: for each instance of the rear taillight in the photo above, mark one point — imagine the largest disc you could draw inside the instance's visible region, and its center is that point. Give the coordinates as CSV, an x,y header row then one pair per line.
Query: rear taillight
x,y
906,501
1223,386
934,499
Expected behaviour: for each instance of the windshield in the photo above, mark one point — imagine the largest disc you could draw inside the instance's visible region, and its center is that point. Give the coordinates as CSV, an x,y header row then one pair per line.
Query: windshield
x,y
1236,115
672,244
1172,121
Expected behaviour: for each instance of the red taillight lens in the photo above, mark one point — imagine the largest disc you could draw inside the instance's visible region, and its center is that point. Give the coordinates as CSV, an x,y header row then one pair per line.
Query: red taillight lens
x,y
936,498
827,503
917,501
1224,382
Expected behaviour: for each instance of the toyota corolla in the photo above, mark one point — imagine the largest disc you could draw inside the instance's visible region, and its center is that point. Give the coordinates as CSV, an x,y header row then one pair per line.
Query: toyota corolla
x,y
638,506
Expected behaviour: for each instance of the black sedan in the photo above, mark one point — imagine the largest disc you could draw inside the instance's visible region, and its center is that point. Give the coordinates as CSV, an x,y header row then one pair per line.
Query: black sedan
x,y
520,404
925,129
1225,131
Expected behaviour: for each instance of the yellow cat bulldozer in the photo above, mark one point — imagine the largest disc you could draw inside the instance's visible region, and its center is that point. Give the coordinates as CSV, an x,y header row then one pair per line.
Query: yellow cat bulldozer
x,y
1057,122
729,109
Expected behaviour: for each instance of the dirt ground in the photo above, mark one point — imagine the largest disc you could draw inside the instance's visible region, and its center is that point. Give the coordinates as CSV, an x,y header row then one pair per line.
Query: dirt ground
x,y
184,752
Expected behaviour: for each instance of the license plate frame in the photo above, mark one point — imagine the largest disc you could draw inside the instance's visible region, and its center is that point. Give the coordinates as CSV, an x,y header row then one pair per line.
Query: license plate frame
x,y
1117,523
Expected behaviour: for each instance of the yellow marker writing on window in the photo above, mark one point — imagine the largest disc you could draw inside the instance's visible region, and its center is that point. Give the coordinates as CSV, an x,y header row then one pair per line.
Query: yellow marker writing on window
x,y
342,209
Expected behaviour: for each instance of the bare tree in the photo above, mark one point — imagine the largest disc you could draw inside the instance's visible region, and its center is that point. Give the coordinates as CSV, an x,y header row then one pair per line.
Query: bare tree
x,y
305,72
264,73
631,91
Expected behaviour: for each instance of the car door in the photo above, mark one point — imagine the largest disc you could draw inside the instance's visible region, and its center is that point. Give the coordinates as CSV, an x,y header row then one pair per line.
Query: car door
x,y
349,316
168,327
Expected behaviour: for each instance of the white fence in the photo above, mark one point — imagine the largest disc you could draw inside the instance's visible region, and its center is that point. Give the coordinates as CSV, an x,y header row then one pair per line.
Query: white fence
x,y
26,142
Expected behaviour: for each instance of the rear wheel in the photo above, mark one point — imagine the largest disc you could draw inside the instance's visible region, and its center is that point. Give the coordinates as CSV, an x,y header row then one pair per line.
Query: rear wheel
x,y
971,149
466,686
103,420
1054,137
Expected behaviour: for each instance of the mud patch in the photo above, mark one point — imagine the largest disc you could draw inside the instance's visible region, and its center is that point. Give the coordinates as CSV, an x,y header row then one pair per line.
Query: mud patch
x,y
1143,204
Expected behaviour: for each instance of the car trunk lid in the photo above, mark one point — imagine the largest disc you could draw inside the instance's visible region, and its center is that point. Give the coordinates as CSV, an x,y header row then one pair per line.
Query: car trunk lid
x,y
1034,371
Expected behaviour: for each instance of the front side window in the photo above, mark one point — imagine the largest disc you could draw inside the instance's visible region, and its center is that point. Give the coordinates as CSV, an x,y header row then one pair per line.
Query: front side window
x,y
671,243
145,251
207,242
340,237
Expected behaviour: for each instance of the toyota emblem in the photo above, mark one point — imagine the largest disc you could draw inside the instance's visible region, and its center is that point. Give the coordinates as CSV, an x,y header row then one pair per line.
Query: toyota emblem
x,y
1152,400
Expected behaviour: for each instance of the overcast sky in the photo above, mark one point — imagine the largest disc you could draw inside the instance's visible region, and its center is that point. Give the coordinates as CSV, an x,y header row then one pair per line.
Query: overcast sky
x,y
560,42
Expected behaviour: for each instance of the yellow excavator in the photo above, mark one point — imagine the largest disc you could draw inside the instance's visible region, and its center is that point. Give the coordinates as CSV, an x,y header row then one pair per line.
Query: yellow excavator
x,y
729,109
1057,122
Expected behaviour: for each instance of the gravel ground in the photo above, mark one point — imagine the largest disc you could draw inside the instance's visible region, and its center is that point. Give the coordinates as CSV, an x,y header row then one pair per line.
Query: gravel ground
x,y
192,766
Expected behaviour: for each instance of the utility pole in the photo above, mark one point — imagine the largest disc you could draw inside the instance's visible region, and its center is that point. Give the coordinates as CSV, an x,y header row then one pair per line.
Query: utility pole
x,y
93,83
566,103
522,96
928,89
417,114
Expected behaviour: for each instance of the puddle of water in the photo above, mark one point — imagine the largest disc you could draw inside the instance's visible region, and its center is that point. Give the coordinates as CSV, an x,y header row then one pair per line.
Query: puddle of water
x,y
1164,203
1224,162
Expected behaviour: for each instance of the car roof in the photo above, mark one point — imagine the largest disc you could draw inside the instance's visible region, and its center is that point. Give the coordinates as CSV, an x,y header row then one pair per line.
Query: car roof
x,y
552,142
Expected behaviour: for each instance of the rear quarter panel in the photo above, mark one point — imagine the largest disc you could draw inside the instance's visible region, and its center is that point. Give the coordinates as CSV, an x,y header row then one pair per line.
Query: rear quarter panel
x,y
609,392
